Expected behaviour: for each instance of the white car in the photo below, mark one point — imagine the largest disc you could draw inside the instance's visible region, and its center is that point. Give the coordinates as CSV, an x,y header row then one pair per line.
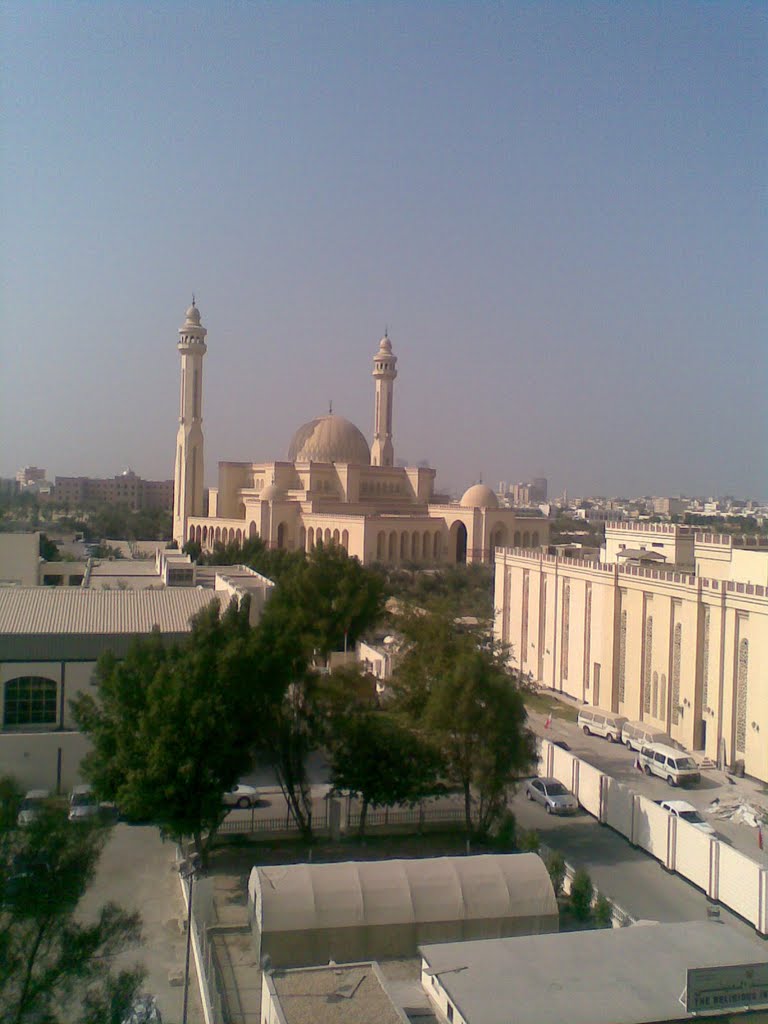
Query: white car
x,y
82,804
32,805
687,812
553,795
242,796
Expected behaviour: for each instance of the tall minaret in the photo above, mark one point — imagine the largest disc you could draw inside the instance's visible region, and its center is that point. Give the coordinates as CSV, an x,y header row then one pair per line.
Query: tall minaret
x,y
188,479
384,373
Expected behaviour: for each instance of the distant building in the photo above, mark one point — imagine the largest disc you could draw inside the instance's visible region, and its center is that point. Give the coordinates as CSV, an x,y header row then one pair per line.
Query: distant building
x,y
19,559
29,476
333,487
669,506
125,489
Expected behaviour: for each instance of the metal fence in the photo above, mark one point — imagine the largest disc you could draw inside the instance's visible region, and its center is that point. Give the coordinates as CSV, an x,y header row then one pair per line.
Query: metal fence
x,y
252,823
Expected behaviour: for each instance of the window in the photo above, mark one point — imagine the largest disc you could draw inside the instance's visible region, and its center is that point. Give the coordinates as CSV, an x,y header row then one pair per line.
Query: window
x,y
30,700
450,1011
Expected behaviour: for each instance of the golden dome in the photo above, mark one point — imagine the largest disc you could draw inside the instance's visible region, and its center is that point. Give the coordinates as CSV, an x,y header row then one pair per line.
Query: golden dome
x,y
329,439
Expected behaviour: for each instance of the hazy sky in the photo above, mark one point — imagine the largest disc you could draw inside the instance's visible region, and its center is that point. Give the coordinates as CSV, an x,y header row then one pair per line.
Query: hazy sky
x,y
558,209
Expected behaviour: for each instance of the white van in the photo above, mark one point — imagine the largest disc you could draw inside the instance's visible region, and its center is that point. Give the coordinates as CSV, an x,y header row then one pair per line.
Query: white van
x,y
678,768
595,721
636,735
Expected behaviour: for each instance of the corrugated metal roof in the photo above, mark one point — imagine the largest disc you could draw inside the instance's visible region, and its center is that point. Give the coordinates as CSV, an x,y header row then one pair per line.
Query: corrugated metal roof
x,y
69,610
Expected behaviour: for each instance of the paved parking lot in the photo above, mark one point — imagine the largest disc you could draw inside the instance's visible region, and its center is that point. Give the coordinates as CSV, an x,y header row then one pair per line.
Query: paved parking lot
x,y
137,871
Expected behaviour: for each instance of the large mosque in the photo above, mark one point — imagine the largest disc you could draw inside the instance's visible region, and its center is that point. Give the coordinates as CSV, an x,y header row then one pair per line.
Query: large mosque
x,y
333,487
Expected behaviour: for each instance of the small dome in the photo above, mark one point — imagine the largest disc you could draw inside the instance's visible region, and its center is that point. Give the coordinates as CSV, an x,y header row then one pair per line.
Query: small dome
x,y
193,314
271,493
479,496
385,345
329,439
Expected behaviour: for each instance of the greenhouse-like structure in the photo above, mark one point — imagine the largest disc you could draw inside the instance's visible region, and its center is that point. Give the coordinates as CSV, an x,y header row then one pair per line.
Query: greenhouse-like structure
x,y
303,914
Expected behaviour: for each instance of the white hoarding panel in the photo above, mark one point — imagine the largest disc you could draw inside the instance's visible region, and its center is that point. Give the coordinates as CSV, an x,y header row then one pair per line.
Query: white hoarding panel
x,y
651,828
692,854
618,806
739,883
589,788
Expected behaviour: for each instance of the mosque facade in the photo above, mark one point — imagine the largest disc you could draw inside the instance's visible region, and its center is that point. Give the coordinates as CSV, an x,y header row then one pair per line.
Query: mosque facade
x,y
333,487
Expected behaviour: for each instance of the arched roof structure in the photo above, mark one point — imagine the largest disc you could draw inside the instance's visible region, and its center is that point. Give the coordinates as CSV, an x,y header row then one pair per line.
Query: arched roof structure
x,y
360,908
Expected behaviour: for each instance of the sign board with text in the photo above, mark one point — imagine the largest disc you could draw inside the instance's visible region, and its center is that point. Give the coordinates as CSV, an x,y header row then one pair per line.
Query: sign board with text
x,y
725,988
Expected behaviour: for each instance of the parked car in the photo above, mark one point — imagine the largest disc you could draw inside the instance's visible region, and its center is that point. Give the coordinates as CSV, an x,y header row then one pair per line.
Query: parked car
x,y
82,804
687,812
636,735
552,794
32,805
242,796
597,722
678,768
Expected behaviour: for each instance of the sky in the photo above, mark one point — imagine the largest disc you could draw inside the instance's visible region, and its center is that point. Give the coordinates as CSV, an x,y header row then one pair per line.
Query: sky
x,y
557,210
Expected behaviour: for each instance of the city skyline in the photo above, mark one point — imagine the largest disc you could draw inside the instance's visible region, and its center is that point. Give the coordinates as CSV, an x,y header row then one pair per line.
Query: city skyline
x,y
555,211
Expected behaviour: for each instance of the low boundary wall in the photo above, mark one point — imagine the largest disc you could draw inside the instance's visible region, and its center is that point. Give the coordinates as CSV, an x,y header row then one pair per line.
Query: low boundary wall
x,y
724,874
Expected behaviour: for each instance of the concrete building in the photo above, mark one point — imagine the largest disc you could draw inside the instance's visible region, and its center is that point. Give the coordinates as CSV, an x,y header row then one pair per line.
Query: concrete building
x,y
681,651
333,487
19,559
51,639
666,543
353,993
640,975
125,489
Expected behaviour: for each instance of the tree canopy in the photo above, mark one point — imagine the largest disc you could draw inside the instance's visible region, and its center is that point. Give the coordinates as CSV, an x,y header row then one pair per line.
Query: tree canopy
x,y
456,690
54,967
174,728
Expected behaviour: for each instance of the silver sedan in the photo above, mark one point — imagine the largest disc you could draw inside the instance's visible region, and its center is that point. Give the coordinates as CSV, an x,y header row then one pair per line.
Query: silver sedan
x,y
553,794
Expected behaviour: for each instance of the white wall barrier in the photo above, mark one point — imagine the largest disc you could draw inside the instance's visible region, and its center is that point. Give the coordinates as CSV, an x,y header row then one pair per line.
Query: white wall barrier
x,y
589,787
651,830
693,855
724,874
739,883
618,805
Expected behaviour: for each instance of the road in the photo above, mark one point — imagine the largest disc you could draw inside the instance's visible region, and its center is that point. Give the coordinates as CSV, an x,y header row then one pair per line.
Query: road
x,y
626,875
616,760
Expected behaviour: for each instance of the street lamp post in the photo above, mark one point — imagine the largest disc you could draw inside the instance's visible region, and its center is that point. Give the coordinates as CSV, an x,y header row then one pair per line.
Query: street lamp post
x,y
188,870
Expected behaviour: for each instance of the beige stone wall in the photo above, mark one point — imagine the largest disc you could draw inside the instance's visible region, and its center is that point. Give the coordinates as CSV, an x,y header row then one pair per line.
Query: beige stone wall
x,y
683,653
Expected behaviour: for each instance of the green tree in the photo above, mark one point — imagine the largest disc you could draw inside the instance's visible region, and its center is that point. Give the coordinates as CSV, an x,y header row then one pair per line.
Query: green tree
x,y
461,695
54,967
174,728
602,912
581,896
48,549
380,761
556,869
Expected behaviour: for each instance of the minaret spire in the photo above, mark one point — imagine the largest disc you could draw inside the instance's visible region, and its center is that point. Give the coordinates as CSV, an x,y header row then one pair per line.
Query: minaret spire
x,y
188,478
384,373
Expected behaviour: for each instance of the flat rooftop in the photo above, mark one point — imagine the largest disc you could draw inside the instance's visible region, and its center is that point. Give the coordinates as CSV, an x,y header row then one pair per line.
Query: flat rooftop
x,y
632,975
344,994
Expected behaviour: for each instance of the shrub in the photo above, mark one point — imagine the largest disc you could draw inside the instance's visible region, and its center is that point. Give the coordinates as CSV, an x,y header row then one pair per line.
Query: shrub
x,y
506,835
556,869
603,912
582,891
529,841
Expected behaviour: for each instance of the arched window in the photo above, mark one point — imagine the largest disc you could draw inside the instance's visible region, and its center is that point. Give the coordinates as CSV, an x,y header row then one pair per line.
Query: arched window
x,y
535,539
327,537
30,700
345,539
281,535
403,546
425,546
438,548
336,537
302,538
310,538
381,542
516,541
253,530
526,539
415,546
392,546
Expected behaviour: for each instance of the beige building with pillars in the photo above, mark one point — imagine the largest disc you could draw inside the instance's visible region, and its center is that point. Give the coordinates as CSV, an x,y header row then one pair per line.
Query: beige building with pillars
x,y
334,488
686,653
